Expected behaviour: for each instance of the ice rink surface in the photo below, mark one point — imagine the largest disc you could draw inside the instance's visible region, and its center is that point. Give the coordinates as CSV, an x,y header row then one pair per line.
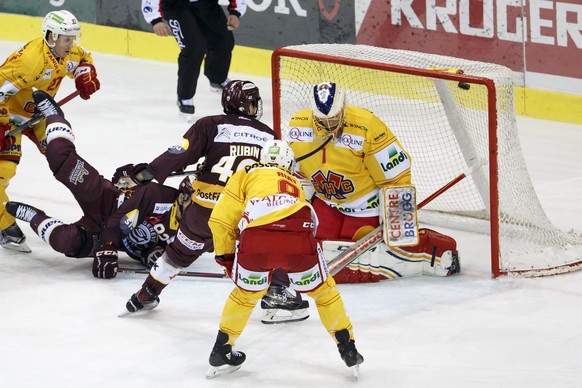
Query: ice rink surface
x,y
59,325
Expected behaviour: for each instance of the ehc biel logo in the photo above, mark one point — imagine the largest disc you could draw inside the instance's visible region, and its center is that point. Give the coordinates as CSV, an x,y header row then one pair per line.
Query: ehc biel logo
x,y
333,185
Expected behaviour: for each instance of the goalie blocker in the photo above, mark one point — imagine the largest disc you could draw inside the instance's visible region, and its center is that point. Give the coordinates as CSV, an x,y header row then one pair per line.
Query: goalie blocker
x,y
405,250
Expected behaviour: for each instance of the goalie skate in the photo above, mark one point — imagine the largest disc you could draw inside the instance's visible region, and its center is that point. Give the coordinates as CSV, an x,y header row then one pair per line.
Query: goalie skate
x,y
281,306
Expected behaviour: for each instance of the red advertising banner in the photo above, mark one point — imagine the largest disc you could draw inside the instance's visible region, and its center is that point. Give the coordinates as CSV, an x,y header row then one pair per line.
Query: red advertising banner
x,y
542,36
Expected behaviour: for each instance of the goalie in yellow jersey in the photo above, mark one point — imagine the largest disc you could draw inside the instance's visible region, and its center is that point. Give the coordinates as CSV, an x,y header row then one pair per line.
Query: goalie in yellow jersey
x,y
264,205
348,154
40,64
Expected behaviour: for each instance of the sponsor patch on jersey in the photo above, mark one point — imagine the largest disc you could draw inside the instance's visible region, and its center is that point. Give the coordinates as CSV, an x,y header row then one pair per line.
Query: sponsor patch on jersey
x,y
228,133
393,161
48,74
352,142
189,243
162,208
251,280
301,134
307,280
179,149
71,66
78,173
332,185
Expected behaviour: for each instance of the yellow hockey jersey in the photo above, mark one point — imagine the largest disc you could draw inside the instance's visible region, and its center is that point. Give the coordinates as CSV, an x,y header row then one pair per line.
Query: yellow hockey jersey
x,y
255,196
348,172
33,66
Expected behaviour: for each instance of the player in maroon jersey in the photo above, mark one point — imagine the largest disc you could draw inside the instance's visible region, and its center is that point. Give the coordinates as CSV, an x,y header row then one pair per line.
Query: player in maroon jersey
x,y
227,142
138,221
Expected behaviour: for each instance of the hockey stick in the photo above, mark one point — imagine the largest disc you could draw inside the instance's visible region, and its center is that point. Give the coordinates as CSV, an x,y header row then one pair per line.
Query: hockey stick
x,y
38,117
182,173
181,273
374,237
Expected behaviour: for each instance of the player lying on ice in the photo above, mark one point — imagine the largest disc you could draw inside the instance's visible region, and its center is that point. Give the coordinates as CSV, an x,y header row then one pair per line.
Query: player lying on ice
x,y
264,205
138,221
348,154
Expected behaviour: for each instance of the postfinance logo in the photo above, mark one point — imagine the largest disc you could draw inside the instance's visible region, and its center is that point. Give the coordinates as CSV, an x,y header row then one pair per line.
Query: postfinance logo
x,y
332,185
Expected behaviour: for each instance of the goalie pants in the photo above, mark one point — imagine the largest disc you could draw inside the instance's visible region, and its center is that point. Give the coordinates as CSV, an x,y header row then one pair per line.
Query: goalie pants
x,y
200,29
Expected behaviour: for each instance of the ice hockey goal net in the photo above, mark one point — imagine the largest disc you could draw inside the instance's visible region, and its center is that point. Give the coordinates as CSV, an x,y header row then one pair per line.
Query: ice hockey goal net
x,y
450,123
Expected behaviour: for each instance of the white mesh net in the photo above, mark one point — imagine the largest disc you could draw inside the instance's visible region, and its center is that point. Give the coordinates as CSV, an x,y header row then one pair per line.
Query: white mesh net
x,y
445,127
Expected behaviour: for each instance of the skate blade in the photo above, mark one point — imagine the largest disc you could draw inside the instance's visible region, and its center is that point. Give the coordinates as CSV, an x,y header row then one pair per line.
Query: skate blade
x,y
216,371
271,316
22,247
356,371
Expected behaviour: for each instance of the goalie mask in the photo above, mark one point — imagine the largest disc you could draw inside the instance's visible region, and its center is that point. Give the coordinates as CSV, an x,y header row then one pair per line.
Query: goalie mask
x,y
280,153
60,23
242,98
328,106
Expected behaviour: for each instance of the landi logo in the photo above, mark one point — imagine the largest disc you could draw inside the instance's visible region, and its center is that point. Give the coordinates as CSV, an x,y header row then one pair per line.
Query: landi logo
x,y
548,22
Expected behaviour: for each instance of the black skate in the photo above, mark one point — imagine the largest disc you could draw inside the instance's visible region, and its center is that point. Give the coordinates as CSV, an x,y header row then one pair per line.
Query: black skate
x,y
22,211
12,238
281,306
223,359
348,351
46,104
145,299
455,264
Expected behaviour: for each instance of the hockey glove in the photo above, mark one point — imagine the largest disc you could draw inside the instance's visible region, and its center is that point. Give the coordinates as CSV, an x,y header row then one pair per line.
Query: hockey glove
x,y
5,140
149,258
105,263
86,80
131,175
226,261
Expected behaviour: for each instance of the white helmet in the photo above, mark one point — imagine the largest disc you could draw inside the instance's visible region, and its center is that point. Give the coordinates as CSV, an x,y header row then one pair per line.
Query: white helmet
x,y
327,105
60,23
280,153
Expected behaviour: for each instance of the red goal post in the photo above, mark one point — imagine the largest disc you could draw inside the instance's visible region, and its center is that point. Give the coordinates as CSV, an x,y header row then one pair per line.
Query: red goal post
x,y
452,115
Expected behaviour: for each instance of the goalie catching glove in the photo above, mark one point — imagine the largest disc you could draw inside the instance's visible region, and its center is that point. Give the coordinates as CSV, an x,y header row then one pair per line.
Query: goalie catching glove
x,y
105,262
86,80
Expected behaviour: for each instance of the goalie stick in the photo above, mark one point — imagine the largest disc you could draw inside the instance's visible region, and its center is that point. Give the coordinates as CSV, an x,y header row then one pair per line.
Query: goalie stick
x,y
181,273
38,117
374,237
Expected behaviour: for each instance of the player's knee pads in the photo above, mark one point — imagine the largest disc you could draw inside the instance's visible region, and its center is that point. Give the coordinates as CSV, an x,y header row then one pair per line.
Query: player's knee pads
x,y
165,270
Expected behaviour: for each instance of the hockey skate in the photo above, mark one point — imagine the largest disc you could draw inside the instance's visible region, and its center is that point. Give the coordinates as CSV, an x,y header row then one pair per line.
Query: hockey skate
x,y
348,351
46,104
223,359
12,238
22,211
143,300
187,109
219,87
281,306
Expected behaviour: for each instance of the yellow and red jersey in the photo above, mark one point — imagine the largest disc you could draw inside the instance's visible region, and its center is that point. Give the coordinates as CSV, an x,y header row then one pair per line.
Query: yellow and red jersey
x,y
258,195
32,67
348,172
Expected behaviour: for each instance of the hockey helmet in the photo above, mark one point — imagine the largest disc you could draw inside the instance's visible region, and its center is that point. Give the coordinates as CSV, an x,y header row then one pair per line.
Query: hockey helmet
x,y
242,98
278,152
60,23
328,106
